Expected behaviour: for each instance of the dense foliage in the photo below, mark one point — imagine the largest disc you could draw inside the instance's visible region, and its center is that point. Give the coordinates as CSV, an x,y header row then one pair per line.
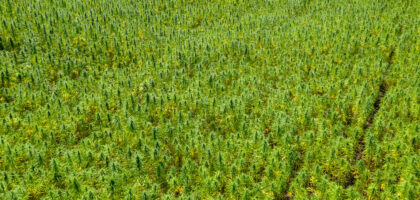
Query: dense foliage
x,y
209,99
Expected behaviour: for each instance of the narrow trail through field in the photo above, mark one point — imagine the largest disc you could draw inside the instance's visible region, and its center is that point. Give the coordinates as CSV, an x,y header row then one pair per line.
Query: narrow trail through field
x,y
382,90
301,10
360,146
295,172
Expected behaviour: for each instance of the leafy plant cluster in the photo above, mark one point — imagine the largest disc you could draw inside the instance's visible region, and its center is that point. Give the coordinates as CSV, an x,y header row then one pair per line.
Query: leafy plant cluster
x,y
215,99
